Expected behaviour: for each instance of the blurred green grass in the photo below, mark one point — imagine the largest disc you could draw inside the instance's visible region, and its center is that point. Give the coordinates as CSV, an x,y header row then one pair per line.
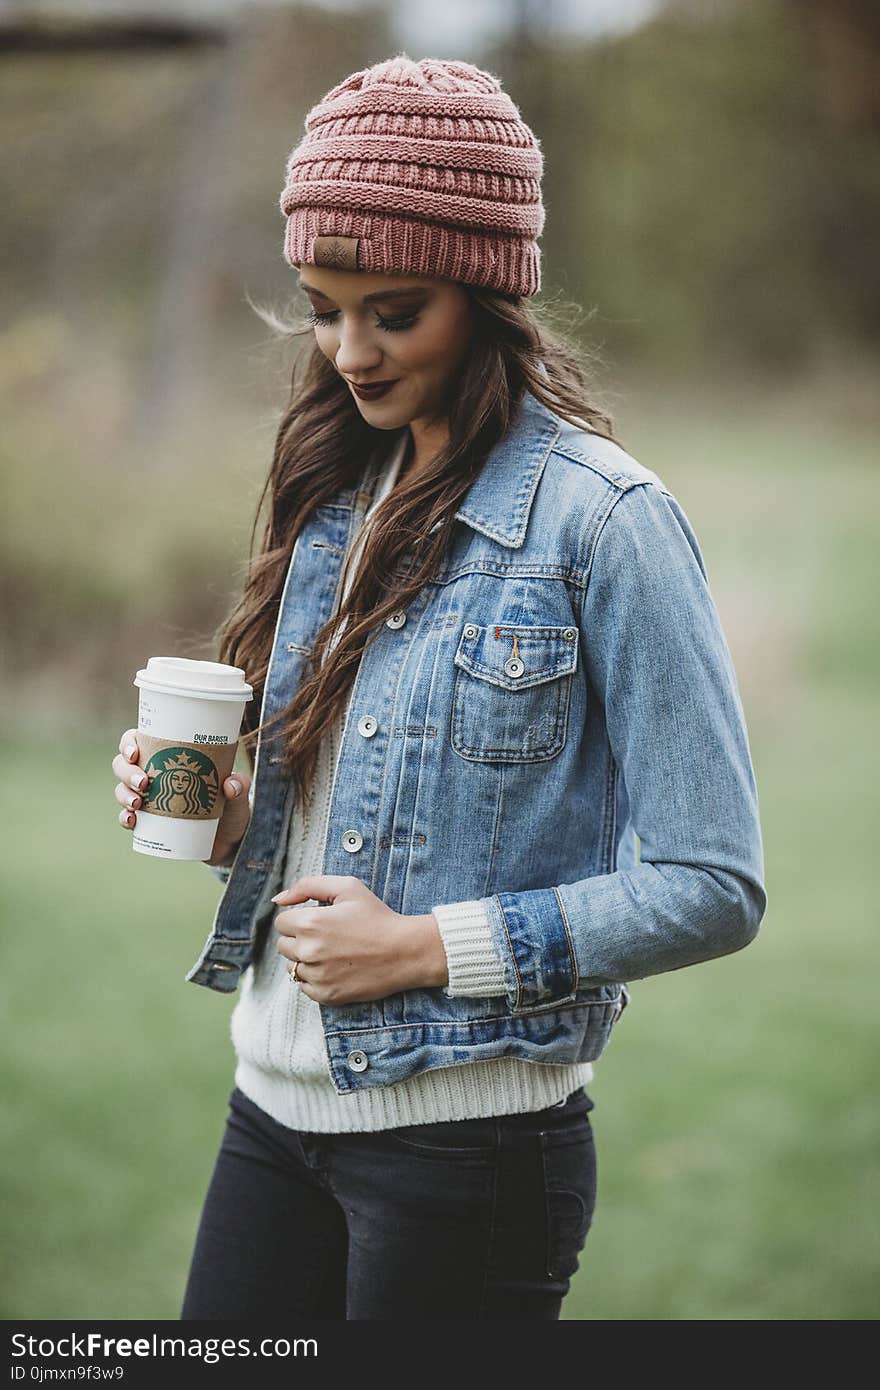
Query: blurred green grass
x,y
735,1120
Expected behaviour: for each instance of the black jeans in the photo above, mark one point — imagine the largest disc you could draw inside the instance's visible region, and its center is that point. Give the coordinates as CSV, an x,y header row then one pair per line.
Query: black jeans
x,y
457,1219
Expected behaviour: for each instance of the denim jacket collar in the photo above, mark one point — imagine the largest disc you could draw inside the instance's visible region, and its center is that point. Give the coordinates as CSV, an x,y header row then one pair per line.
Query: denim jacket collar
x,y
499,500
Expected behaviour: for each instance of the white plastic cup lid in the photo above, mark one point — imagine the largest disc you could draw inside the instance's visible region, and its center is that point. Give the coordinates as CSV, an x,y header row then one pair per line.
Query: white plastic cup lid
x,y
178,675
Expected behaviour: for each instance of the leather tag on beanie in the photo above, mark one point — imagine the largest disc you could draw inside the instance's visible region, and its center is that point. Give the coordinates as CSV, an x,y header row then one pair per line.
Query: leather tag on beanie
x,y
336,252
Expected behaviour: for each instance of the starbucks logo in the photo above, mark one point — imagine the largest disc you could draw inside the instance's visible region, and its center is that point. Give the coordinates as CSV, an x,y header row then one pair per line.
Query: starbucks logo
x,y
183,782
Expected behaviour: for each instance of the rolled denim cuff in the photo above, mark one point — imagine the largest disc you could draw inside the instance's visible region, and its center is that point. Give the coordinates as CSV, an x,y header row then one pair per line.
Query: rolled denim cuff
x,y
532,934
475,966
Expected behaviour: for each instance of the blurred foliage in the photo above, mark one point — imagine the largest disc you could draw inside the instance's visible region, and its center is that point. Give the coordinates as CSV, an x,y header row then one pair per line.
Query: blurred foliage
x,y
713,180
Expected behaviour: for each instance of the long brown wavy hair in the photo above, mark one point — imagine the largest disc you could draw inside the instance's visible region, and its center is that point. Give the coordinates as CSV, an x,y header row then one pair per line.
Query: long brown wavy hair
x,y
321,446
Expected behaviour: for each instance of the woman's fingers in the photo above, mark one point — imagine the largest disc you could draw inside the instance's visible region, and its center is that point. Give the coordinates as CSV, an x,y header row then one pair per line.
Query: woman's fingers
x,y
132,779
126,797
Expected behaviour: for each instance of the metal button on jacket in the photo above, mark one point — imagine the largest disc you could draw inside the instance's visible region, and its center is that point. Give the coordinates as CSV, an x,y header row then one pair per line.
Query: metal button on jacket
x,y
358,1060
352,840
513,666
470,630
367,726
396,619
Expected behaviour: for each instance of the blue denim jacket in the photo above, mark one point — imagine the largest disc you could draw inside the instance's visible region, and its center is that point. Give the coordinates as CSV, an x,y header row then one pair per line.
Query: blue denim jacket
x,y
556,731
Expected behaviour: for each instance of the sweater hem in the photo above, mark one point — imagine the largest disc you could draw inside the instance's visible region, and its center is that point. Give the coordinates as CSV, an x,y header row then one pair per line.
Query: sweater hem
x,y
506,1086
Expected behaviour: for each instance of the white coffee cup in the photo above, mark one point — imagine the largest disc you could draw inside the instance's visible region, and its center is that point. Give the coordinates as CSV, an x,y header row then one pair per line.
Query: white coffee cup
x,y
189,722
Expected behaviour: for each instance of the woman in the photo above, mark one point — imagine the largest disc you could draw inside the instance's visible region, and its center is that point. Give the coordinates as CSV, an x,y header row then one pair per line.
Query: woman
x,y
487,658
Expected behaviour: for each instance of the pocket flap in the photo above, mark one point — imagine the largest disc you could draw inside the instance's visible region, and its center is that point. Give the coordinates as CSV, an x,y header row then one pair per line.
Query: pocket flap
x,y
518,656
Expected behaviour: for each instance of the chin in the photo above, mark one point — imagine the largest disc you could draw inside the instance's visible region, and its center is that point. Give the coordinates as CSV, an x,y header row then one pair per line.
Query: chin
x,y
383,419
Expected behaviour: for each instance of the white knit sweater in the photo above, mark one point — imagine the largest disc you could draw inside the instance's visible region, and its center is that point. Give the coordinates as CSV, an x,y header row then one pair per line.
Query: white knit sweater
x,y
276,1028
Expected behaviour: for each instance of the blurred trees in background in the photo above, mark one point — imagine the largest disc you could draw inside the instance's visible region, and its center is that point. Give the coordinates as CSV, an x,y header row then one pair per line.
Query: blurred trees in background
x,y
713,181
712,192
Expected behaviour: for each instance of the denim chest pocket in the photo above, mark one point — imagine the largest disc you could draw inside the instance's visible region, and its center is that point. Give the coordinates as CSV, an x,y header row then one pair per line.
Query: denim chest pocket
x,y
512,691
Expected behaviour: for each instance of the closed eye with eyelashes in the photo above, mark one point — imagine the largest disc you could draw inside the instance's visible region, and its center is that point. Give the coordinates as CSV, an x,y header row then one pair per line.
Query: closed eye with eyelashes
x,y
397,325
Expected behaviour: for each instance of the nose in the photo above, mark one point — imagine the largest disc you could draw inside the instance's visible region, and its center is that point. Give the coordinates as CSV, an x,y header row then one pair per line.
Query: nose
x,y
358,351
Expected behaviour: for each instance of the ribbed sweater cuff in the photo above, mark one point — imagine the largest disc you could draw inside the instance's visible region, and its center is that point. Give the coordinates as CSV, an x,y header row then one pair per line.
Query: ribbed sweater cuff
x,y
473,962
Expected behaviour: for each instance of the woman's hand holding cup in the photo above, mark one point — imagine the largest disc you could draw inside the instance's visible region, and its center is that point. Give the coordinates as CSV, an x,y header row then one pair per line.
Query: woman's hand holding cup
x,y
235,816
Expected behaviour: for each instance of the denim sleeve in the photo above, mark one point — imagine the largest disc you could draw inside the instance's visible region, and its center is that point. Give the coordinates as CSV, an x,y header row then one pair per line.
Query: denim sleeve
x,y
659,663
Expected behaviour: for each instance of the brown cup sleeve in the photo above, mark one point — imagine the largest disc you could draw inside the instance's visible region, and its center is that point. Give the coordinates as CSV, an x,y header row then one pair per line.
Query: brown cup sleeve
x,y
186,779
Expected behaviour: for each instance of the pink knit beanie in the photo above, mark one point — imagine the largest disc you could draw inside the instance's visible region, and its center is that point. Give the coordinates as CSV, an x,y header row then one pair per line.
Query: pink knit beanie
x,y
418,168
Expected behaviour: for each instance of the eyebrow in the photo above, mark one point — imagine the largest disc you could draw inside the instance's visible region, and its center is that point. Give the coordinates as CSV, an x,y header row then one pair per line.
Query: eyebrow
x,y
371,298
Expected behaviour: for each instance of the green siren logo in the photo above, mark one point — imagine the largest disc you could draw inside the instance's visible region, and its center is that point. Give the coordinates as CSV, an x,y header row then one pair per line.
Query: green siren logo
x,y
183,782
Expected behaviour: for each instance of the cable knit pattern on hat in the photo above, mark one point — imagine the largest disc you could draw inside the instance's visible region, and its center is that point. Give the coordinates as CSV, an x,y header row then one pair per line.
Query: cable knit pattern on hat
x,y
430,168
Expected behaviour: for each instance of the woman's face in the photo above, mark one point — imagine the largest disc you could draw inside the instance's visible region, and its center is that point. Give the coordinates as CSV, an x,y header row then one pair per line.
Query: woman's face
x,y
401,328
